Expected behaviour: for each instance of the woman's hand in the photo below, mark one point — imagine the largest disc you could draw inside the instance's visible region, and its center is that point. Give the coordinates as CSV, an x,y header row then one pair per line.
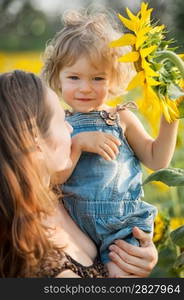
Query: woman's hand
x,y
137,261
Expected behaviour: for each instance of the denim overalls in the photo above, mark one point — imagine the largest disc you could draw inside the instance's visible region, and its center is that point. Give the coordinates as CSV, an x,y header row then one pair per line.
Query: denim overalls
x,y
103,197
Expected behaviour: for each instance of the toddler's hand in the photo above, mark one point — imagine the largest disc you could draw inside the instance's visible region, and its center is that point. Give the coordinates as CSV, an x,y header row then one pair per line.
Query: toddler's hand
x,y
98,142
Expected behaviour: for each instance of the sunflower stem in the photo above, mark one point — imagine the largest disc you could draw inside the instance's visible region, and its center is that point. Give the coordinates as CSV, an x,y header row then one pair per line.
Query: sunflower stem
x,y
166,54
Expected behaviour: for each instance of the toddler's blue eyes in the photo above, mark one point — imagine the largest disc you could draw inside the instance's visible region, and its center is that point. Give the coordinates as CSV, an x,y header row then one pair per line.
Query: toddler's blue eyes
x,y
73,77
95,78
99,78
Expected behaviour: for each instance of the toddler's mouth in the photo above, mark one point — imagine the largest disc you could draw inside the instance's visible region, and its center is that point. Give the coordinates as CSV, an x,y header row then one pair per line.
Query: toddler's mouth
x,y
84,99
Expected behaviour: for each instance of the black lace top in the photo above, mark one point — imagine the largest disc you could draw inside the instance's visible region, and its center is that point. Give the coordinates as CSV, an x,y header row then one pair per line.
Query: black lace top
x,y
96,270
59,262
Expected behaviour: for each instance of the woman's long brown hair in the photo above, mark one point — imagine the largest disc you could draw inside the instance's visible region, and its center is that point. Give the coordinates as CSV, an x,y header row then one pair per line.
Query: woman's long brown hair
x,y
24,201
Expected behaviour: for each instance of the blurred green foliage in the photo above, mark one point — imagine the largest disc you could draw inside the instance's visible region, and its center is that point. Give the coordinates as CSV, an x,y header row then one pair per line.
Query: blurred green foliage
x,y
23,27
178,22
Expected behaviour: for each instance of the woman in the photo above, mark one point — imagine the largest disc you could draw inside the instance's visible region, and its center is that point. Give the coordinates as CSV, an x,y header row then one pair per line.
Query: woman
x,y
38,238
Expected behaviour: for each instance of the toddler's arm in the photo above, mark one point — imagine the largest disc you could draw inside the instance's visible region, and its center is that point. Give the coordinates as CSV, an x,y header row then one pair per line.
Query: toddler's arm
x,y
155,154
97,142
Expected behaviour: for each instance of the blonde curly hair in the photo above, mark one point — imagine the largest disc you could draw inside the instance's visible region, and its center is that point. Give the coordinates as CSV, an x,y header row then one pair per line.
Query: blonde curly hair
x,y
87,34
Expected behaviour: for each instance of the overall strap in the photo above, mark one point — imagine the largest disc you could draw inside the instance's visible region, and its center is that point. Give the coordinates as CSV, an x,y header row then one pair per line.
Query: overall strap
x,y
130,104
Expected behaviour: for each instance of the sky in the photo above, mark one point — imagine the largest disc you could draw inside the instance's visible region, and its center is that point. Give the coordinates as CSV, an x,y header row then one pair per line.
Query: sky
x,y
53,7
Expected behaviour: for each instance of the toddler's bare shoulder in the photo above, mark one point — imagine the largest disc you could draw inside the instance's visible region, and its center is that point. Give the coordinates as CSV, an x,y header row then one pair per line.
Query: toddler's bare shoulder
x,y
125,114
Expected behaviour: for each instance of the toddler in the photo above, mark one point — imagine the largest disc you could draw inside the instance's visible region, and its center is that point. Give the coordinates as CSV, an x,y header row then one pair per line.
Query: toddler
x,y
103,193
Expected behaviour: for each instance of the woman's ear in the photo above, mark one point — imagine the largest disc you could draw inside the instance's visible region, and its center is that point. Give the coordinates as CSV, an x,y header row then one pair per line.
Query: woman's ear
x,y
39,148
41,158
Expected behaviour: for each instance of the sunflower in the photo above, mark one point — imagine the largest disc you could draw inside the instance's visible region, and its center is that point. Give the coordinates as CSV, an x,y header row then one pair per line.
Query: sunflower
x,y
176,222
161,228
159,70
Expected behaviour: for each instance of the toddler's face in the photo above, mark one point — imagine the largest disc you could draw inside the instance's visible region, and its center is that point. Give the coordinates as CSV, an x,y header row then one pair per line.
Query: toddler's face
x,y
84,87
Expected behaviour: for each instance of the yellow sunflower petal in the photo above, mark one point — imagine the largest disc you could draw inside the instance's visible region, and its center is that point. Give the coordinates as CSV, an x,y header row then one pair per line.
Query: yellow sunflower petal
x,y
148,70
145,14
150,94
144,6
181,83
126,39
151,81
157,29
142,36
165,111
149,106
129,57
173,109
134,18
128,23
144,30
170,110
146,51
176,222
173,114
136,81
140,40
181,56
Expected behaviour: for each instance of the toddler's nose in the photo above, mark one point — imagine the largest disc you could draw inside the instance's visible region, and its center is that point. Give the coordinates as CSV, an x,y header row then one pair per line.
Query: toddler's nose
x,y
85,86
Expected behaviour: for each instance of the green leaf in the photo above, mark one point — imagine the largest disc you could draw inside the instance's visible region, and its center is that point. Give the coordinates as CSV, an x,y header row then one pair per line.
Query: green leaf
x,y
169,176
181,109
166,259
179,263
177,236
174,91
